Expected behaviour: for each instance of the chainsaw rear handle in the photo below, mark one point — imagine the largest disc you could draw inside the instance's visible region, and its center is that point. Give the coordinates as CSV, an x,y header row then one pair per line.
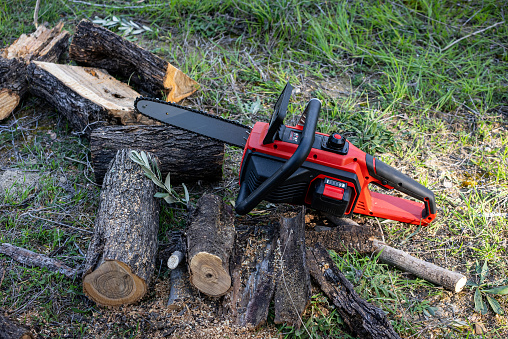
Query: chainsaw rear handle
x,y
389,176
245,201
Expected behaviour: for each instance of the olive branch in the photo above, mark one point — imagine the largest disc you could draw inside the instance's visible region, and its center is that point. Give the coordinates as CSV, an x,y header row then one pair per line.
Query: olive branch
x,y
152,171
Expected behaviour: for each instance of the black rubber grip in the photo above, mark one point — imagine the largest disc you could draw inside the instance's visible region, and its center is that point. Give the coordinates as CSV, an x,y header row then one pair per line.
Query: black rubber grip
x,y
246,201
389,176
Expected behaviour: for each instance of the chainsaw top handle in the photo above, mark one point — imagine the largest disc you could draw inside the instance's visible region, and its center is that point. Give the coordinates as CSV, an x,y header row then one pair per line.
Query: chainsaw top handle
x,y
245,204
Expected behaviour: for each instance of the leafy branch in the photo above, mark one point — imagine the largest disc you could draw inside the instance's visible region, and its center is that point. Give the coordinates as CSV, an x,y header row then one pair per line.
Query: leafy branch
x,y
482,290
152,171
127,27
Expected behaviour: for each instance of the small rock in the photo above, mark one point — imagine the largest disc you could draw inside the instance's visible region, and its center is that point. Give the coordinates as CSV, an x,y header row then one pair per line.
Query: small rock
x,y
479,328
447,184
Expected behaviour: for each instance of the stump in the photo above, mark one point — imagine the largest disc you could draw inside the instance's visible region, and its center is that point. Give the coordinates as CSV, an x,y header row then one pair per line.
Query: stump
x,y
121,257
293,289
253,275
96,46
189,157
210,239
43,45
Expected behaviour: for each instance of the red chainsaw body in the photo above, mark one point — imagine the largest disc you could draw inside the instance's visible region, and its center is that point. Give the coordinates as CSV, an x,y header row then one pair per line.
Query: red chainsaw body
x,y
337,174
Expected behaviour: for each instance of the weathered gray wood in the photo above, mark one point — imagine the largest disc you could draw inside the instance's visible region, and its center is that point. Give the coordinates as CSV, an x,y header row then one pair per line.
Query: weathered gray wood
x,y
189,157
121,257
253,276
293,290
96,46
346,235
10,329
31,259
210,240
362,319
450,280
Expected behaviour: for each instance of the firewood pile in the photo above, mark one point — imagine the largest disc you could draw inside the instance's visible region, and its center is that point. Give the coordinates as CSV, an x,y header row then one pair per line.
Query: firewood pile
x,y
247,266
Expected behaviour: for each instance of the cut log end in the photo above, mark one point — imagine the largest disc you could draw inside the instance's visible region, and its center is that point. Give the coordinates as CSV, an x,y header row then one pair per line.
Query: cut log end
x,y
209,275
114,284
9,100
460,284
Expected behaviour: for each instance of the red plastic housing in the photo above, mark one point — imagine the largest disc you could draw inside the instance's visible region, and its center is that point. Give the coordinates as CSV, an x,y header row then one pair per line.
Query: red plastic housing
x,y
365,202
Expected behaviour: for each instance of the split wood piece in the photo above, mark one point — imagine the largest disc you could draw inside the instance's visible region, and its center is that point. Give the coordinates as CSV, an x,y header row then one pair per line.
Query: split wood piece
x,y
10,329
253,275
293,290
31,259
363,320
189,157
347,235
84,95
45,45
121,257
96,46
210,240
364,241
450,280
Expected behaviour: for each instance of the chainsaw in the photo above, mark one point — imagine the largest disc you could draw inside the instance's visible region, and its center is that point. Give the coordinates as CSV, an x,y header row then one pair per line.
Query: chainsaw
x,y
297,165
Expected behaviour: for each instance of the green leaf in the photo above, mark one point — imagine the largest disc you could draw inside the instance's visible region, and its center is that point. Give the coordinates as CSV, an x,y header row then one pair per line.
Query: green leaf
x,y
471,283
501,290
167,183
161,195
186,193
495,305
145,159
169,199
483,273
479,304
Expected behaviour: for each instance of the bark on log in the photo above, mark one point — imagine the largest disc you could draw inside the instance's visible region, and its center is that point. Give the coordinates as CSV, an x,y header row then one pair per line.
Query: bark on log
x,y
85,96
31,259
450,280
10,329
121,257
180,291
96,46
187,156
346,236
253,275
210,239
293,290
362,319
43,45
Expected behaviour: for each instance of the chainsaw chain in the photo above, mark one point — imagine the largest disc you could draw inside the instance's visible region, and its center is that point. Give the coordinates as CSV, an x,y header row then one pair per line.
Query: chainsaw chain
x,y
187,109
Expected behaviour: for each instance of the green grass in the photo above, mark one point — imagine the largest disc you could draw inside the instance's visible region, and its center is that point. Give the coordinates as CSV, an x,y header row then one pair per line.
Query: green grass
x,y
407,80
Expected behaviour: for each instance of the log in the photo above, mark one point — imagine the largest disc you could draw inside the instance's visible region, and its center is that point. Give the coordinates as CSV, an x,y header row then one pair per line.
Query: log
x,y
293,290
348,235
180,291
32,259
10,329
210,239
85,96
253,275
450,280
44,45
121,256
362,319
96,46
189,157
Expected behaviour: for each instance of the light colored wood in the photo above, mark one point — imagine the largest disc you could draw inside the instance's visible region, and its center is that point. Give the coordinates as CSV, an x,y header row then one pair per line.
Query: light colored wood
x,y
36,44
175,259
178,84
9,100
114,284
97,86
44,45
450,280
209,274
